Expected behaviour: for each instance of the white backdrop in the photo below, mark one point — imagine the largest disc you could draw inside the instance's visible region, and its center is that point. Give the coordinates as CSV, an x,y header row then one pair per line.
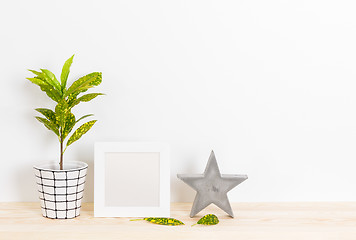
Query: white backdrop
x,y
269,85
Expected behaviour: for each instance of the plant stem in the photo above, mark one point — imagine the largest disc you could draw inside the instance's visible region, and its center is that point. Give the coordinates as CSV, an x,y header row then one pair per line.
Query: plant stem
x,y
61,158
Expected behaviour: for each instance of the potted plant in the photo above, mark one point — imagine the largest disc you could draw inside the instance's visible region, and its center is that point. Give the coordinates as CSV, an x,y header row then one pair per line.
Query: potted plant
x,y
61,184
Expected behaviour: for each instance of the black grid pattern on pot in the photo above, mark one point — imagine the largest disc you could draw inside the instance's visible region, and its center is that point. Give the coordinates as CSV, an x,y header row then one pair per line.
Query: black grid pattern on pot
x,y
68,197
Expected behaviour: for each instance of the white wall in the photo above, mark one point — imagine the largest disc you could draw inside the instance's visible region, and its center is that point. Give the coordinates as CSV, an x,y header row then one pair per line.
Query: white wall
x,y
269,85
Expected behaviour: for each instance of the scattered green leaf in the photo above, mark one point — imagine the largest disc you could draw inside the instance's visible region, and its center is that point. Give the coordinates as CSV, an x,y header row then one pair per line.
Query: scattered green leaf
x,y
162,221
209,219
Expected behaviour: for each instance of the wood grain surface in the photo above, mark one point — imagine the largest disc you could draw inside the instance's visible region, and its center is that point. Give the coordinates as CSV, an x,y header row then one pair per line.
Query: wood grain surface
x,y
266,221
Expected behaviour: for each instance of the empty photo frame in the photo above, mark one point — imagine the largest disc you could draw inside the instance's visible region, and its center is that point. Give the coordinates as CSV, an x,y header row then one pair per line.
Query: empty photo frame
x,y
131,179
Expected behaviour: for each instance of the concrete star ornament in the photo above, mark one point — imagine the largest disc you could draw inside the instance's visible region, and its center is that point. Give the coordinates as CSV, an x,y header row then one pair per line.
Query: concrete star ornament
x,y
212,187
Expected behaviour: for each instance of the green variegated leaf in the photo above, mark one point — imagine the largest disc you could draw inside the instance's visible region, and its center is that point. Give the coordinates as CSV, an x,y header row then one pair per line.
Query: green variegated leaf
x,y
69,124
80,132
65,72
48,113
37,81
85,98
35,72
88,97
97,80
61,112
84,83
51,126
162,221
41,81
209,219
51,92
51,80
85,116
71,98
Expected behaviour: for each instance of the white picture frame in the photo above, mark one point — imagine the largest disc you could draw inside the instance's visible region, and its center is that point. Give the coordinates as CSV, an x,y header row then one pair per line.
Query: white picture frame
x,y
131,179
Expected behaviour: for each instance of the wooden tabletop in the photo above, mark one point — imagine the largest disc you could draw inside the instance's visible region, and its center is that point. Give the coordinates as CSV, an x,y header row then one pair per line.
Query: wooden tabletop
x,y
267,221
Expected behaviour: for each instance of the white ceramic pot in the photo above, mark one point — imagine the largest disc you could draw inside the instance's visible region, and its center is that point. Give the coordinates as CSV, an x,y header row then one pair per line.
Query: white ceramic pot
x,y
61,191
